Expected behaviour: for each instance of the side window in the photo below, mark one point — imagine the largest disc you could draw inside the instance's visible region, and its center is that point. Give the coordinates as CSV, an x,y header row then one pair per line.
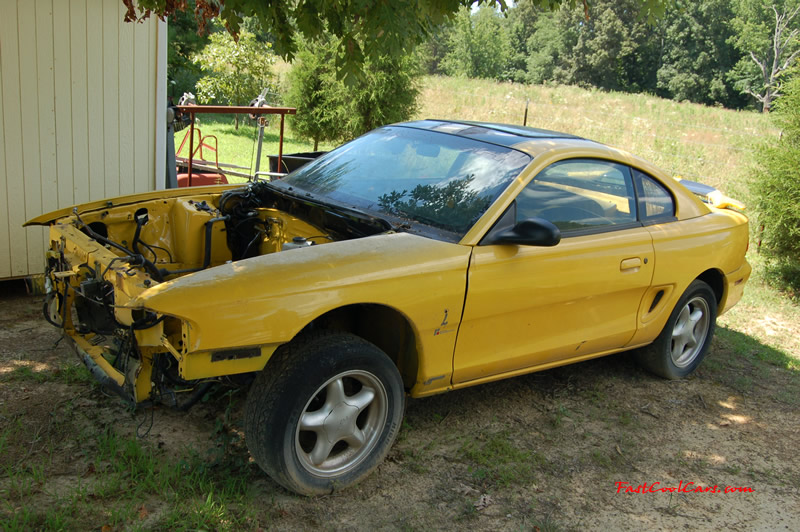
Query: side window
x,y
655,202
580,195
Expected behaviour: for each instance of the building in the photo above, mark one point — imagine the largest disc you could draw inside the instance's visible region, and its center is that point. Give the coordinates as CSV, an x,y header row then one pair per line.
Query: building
x,y
82,110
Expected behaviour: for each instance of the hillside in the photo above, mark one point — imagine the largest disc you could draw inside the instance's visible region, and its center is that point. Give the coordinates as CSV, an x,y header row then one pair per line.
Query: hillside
x,y
701,143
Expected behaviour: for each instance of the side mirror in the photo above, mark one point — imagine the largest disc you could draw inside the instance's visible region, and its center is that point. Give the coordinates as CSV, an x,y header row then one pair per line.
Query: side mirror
x,y
530,232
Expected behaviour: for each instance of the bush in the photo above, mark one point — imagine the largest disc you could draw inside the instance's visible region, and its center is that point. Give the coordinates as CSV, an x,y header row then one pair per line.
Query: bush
x,y
776,191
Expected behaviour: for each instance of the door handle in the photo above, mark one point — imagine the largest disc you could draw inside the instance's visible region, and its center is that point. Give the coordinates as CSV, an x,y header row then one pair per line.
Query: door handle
x,y
632,264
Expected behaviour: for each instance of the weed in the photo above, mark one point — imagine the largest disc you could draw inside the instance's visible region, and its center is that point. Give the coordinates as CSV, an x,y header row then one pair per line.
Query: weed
x,y
413,459
732,469
546,525
24,373
73,374
67,374
499,461
743,383
558,415
601,459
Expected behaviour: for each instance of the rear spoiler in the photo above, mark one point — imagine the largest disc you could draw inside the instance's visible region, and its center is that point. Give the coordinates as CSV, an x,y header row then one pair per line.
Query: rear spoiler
x,y
711,195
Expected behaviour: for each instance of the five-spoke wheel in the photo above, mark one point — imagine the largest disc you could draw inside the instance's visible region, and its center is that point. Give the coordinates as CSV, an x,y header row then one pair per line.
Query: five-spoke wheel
x,y
324,412
341,423
690,331
686,338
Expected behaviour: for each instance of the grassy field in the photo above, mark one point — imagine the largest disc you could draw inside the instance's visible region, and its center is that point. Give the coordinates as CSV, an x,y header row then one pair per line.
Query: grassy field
x,y
701,143
539,452
238,146
705,144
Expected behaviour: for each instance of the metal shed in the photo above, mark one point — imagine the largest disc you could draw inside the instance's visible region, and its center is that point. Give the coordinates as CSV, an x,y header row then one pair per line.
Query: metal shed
x,y
81,96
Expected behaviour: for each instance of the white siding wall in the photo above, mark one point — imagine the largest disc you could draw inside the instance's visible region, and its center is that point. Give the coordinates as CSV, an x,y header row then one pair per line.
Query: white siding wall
x,y
81,93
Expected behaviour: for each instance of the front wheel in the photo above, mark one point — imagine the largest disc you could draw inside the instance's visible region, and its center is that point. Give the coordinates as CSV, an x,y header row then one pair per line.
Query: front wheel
x,y
686,338
324,412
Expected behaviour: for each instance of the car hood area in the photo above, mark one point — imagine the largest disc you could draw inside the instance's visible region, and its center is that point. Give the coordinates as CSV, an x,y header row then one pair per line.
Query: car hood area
x,y
268,299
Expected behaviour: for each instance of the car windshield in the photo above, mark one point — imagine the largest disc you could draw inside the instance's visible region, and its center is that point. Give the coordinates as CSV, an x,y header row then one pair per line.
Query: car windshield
x,y
436,179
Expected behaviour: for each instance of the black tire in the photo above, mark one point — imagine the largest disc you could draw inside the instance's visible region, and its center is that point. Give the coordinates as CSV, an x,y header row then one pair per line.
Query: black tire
x,y
309,380
686,337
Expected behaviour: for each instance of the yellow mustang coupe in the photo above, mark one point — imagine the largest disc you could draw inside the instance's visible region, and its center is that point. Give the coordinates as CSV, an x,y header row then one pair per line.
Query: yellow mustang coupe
x,y
419,258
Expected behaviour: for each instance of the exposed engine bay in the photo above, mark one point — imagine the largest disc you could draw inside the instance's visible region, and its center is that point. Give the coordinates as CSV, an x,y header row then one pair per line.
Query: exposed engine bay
x,y
102,259
182,235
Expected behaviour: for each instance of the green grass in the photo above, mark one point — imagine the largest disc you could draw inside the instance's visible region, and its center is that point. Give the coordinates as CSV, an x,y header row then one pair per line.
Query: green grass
x,y
238,146
498,461
124,478
765,324
706,144
66,373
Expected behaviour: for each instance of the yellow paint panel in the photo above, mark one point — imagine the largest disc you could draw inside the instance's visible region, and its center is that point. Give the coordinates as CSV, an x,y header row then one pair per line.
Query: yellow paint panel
x,y
30,131
5,244
46,124
124,103
109,105
66,80
94,77
528,306
79,100
142,137
12,124
63,106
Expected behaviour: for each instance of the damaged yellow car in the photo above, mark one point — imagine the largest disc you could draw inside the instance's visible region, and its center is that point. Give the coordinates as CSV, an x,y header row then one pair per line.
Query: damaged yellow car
x,y
419,258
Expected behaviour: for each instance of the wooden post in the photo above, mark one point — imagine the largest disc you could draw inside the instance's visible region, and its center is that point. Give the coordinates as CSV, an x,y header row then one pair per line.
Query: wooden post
x,y
280,145
191,146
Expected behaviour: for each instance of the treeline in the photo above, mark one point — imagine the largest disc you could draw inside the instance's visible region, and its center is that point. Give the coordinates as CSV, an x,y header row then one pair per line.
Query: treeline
x,y
698,51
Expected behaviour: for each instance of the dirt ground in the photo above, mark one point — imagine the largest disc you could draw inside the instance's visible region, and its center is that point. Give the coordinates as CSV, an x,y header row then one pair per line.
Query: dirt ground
x,y
550,451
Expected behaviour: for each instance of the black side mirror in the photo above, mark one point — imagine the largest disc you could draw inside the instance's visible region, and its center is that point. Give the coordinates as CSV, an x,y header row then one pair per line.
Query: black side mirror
x,y
530,232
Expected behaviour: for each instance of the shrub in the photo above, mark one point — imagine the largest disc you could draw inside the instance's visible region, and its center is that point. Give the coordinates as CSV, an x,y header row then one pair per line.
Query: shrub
x,y
333,109
776,191
235,72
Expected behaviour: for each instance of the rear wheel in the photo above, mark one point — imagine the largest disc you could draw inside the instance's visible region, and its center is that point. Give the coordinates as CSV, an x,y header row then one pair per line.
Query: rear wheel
x,y
324,412
686,338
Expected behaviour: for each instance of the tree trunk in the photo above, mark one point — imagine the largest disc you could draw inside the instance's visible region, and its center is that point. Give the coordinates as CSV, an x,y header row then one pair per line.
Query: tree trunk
x,y
316,144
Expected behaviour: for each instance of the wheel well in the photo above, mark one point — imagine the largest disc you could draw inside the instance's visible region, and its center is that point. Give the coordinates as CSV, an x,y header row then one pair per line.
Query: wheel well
x,y
383,326
714,279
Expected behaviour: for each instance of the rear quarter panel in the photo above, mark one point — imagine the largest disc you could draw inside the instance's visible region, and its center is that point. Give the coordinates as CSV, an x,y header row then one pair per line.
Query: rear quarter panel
x,y
684,250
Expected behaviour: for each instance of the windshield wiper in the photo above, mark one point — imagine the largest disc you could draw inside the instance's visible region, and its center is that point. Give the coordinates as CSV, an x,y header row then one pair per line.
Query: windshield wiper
x,y
324,201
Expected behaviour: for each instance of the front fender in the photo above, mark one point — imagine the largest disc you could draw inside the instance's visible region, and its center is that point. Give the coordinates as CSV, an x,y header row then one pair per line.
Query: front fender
x,y
268,300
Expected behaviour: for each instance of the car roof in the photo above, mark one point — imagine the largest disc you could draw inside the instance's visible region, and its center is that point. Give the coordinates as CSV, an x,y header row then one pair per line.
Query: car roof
x,y
528,139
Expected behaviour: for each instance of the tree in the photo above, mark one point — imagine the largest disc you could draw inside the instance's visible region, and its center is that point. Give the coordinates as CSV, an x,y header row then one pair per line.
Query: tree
x,y
331,110
314,89
615,49
697,54
183,43
521,25
364,29
776,189
235,72
478,45
549,48
768,33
